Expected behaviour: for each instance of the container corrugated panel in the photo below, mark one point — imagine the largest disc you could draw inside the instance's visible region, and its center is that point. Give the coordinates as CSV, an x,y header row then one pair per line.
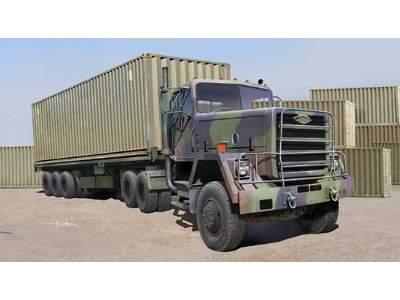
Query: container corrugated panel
x,y
17,168
367,135
374,105
395,159
344,117
370,169
116,113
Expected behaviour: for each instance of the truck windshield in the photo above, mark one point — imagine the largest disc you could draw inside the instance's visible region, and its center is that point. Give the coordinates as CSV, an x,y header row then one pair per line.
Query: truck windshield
x,y
213,97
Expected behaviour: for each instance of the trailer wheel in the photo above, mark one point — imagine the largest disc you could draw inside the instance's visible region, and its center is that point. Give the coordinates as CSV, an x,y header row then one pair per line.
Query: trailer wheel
x,y
47,184
56,182
321,218
164,201
146,201
80,192
221,229
68,185
128,188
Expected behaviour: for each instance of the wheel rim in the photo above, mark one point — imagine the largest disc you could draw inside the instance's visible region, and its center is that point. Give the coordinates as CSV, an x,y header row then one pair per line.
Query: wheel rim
x,y
211,217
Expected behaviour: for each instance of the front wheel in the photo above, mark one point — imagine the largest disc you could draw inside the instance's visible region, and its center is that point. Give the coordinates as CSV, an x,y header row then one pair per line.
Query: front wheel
x,y
320,218
221,228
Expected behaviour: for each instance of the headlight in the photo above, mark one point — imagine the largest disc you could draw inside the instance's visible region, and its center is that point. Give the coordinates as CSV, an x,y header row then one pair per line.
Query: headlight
x,y
335,165
243,168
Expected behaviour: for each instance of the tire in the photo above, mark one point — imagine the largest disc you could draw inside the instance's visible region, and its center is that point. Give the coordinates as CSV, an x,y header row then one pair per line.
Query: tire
x,y
47,184
146,201
321,218
128,188
68,186
56,182
221,229
164,201
80,192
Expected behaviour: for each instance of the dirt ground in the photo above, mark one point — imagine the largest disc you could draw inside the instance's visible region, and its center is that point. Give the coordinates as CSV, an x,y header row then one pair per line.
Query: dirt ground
x,y
34,227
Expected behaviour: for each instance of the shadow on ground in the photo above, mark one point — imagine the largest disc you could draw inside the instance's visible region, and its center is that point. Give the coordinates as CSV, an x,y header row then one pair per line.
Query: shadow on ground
x,y
270,232
256,233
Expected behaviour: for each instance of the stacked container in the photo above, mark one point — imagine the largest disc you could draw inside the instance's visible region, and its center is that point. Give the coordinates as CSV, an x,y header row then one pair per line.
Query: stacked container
x,y
377,118
16,168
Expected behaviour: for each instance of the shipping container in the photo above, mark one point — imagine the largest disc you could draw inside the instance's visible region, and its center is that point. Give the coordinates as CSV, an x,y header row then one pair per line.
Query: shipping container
x,y
370,169
374,105
17,168
116,113
395,159
367,135
344,117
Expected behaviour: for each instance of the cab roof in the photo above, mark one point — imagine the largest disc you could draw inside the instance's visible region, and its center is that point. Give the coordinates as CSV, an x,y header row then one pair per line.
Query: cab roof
x,y
224,81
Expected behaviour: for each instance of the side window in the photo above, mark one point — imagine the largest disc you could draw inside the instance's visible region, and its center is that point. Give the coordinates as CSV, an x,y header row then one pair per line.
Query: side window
x,y
187,107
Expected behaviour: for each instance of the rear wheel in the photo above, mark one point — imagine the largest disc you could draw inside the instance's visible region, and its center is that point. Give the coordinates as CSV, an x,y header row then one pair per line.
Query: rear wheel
x,y
56,182
68,186
147,201
128,188
47,184
164,201
320,218
221,229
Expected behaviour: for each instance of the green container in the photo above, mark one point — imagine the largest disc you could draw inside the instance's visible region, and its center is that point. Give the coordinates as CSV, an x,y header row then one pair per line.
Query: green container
x,y
114,114
17,168
374,105
370,169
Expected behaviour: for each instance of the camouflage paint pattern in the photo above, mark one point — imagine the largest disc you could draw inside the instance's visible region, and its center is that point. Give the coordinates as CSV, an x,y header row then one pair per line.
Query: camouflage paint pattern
x,y
256,131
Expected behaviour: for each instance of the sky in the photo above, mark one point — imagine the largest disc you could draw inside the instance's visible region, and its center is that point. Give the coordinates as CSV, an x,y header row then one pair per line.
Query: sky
x,y
31,69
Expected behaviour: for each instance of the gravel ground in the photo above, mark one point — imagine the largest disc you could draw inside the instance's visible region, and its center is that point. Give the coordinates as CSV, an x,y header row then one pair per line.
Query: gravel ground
x,y
34,227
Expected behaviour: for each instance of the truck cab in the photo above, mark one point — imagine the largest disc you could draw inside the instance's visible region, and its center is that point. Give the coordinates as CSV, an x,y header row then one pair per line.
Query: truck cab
x,y
233,155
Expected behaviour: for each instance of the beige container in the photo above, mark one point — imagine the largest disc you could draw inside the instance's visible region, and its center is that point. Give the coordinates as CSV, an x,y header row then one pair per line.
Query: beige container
x,y
395,159
116,113
344,117
368,135
370,170
16,168
374,105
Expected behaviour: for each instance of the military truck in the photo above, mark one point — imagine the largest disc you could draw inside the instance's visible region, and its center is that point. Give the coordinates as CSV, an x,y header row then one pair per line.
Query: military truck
x,y
175,132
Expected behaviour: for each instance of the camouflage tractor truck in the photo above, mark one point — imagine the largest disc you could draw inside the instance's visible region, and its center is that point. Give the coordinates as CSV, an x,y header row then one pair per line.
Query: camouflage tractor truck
x,y
176,132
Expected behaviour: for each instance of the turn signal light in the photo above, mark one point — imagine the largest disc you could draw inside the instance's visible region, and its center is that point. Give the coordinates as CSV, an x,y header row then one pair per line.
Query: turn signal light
x,y
222,147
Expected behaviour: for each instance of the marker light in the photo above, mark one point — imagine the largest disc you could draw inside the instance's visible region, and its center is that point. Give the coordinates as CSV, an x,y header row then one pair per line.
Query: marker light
x,y
222,147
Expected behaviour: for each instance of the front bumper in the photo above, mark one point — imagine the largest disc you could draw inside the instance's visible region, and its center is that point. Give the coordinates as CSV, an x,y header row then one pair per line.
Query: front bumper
x,y
263,197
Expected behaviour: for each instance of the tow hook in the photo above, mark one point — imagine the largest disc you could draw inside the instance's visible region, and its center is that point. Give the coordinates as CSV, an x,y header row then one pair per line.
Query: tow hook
x,y
333,194
290,200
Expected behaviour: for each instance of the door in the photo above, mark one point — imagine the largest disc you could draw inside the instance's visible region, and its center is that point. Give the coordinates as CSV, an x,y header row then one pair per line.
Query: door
x,y
181,125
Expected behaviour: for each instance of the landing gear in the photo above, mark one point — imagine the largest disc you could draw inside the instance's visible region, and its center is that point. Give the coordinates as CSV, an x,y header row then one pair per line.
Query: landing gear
x,y
221,229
